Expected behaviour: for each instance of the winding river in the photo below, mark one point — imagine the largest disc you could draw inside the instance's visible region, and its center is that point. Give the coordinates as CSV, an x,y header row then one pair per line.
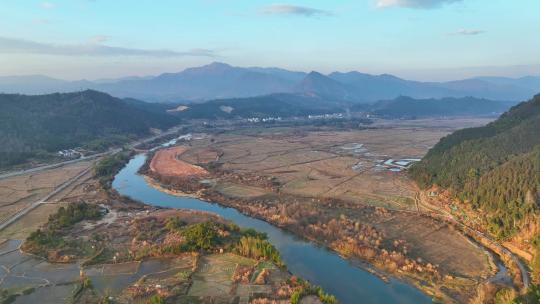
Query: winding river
x,y
335,274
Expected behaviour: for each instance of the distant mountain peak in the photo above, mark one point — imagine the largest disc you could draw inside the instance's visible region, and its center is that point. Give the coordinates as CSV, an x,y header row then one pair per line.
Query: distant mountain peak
x,y
221,80
316,78
315,74
317,84
212,68
217,64
389,76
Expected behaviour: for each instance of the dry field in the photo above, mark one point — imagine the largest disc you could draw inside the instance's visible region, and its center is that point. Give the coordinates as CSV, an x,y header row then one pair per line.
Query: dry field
x,y
348,165
186,277
166,163
240,191
18,192
214,274
435,242
30,222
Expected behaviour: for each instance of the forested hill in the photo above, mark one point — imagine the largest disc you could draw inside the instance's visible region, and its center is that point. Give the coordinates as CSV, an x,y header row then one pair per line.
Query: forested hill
x,y
30,125
283,105
409,107
287,105
496,167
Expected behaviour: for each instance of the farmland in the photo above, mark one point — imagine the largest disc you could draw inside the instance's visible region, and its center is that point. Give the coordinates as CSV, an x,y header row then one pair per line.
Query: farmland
x,y
92,245
20,191
346,189
165,161
342,188
348,165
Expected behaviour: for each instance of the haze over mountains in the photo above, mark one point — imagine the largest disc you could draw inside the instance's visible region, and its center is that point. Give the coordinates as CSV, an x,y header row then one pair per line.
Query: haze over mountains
x,y
219,80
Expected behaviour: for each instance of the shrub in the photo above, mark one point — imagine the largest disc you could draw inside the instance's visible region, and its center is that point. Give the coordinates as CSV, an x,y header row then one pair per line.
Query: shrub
x,y
174,224
74,213
201,236
257,248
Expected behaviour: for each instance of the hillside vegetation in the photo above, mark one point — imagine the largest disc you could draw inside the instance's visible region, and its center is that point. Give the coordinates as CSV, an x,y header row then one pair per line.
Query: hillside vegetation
x,y
409,107
31,126
496,168
288,105
283,105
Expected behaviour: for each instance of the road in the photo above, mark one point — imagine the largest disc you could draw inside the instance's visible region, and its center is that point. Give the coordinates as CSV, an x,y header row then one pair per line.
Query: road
x,y
89,157
522,269
56,165
69,182
43,200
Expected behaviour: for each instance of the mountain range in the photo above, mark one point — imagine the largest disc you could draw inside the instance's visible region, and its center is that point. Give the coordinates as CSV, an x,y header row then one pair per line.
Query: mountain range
x,y
220,81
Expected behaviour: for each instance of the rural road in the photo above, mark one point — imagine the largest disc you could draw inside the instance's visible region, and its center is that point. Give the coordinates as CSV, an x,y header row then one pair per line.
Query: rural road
x,y
89,157
69,182
56,165
515,259
43,200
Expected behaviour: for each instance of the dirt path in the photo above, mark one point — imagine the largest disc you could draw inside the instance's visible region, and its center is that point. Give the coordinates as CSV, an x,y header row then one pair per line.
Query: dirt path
x,y
523,270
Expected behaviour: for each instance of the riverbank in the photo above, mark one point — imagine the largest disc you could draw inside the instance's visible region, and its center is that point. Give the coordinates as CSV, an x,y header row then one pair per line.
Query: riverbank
x,y
113,247
376,267
439,207
313,262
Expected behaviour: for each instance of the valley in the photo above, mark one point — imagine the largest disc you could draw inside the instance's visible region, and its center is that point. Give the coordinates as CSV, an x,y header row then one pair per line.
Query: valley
x,y
337,188
86,244
301,179
335,181
269,152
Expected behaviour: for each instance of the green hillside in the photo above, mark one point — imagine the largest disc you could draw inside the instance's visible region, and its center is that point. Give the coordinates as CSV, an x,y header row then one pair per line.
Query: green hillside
x,y
409,107
284,105
33,126
496,167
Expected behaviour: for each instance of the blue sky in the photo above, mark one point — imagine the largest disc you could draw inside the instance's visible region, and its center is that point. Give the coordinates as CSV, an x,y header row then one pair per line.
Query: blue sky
x,y
417,39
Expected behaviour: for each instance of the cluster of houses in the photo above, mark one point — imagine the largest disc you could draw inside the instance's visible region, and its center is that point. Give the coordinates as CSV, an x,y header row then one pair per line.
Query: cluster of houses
x,y
266,119
70,153
326,116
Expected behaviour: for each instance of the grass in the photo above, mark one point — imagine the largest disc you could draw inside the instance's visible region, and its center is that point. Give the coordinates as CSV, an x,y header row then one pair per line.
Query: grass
x,y
214,274
52,235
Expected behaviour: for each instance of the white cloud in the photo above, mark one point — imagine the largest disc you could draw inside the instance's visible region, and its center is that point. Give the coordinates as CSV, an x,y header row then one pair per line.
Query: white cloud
x,y
47,5
468,32
12,45
285,9
413,3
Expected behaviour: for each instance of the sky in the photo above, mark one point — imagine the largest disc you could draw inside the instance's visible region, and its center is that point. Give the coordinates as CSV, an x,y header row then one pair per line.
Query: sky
x,y
415,39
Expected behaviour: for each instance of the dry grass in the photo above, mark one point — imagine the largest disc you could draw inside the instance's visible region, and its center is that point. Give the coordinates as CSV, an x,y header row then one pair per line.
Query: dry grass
x,y
18,192
437,243
214,274
30,222
202,156
240,191
166,163
315,163
319,163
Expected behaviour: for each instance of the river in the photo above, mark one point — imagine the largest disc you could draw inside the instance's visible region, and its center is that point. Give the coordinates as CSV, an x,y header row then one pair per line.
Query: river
x,y
349,283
